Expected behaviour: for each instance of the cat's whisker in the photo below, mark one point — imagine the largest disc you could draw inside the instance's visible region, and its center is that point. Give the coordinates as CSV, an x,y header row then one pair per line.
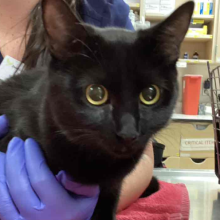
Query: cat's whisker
x,y
84,55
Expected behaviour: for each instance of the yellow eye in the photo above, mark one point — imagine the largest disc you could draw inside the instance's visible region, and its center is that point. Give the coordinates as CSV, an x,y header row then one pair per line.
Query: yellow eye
x,y
96,94
150,95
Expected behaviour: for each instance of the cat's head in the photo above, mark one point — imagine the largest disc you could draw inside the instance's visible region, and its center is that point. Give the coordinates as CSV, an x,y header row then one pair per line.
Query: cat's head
x,y
111,89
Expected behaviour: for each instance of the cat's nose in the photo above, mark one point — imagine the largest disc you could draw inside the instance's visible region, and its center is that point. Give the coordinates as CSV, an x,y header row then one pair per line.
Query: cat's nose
x,y
128,136
128,129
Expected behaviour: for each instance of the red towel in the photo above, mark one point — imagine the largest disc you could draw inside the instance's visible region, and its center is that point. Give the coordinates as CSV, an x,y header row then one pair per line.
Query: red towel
x,y
171,202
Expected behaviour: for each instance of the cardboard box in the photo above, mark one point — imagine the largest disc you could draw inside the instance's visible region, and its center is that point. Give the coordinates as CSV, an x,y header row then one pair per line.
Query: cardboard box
x,y
197,140
170,137
198,5
206,7
187,139
152,6
167,6
198,31
188,163
172,162
211,7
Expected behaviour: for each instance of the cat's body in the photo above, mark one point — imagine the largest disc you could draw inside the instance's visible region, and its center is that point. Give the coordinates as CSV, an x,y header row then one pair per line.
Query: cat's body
x,y
96,144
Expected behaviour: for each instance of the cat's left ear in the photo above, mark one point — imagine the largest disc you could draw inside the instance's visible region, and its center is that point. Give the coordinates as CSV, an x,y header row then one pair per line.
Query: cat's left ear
x,y
170,33
63,28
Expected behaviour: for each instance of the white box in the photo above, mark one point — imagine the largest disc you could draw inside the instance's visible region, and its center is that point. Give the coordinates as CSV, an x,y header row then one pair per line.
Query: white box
x,y
152,6
167,6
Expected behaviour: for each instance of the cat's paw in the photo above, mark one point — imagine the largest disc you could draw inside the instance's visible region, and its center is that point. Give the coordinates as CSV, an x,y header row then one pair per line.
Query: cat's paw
x,y
153,187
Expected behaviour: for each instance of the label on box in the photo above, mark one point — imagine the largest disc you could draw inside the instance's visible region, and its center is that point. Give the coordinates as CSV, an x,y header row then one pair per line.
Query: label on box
x,y
167,6
9,67
181,64
152,8
166,9
156,2
203,144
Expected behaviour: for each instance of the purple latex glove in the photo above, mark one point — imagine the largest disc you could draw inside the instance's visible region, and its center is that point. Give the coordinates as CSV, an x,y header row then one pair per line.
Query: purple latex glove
x,y
3,126
29,190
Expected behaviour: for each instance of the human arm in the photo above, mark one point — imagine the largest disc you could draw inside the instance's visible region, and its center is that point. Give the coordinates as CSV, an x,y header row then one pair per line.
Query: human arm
x,y
138,180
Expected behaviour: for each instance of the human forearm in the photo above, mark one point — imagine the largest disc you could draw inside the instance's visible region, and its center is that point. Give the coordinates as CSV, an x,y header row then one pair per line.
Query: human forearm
x,y
135,183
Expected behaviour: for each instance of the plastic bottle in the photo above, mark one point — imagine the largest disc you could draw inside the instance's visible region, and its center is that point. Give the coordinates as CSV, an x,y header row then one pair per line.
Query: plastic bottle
x,y
132,17
195,56
137,17
186,55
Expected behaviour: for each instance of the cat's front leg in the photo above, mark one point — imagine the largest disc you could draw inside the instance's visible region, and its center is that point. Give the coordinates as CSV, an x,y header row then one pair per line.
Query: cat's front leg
x,y
108,201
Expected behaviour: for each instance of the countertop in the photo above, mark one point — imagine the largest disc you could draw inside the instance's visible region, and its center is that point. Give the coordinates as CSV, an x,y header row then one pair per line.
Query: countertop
x,y
203,188
192,117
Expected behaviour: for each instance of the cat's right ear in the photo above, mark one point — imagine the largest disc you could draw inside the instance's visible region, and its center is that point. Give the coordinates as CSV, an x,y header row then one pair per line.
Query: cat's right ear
x,y
63,28
170,33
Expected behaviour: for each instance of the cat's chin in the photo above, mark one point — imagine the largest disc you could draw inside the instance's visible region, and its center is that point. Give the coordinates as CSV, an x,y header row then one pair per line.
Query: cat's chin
x,y
125,151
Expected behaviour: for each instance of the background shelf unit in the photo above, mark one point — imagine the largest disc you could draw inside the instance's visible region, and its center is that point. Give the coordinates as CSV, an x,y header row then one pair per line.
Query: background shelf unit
x,y
134,6
161,17
192,117
205,45
191,61
199,38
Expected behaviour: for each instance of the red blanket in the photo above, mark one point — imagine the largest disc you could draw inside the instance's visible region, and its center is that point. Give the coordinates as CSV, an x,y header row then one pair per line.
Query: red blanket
x,y
171,202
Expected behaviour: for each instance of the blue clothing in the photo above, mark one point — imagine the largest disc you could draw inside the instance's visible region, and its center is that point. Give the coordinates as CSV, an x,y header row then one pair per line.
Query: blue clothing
x,y
105,13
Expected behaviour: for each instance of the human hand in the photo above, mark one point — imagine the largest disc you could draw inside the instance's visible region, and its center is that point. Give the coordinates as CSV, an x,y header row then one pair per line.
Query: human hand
x,y
29,190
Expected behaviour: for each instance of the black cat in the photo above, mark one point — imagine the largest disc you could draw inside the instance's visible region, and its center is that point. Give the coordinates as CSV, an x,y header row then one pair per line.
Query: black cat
x,y
103,95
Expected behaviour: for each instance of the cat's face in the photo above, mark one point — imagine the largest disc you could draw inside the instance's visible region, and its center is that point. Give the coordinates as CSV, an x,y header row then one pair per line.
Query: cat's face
x,y
119,94
112,89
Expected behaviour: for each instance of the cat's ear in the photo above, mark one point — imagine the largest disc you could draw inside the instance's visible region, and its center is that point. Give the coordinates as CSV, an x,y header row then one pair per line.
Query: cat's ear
x,y
171,32
62,27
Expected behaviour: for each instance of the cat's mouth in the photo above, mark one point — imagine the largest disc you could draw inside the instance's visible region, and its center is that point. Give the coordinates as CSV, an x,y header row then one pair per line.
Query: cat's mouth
x,y
125,146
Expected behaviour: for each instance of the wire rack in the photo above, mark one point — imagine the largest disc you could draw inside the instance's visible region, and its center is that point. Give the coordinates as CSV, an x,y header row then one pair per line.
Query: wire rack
x,y
214,77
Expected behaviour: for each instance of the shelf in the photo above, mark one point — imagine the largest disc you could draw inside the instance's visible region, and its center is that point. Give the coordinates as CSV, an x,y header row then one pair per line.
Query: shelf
x,y
206,18
198,38
155,17
195,61
134,6
160,17
192,117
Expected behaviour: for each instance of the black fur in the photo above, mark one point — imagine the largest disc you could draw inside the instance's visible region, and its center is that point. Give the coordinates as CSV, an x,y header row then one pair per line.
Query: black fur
x,y
50,104
152,188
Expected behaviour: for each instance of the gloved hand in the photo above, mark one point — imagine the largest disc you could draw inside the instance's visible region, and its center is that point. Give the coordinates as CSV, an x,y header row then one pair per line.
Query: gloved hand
x,y
29,190
3,126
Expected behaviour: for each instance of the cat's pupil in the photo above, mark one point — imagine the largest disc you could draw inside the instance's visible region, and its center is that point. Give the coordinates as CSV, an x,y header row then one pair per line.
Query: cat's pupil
x,y
96,93
149,93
